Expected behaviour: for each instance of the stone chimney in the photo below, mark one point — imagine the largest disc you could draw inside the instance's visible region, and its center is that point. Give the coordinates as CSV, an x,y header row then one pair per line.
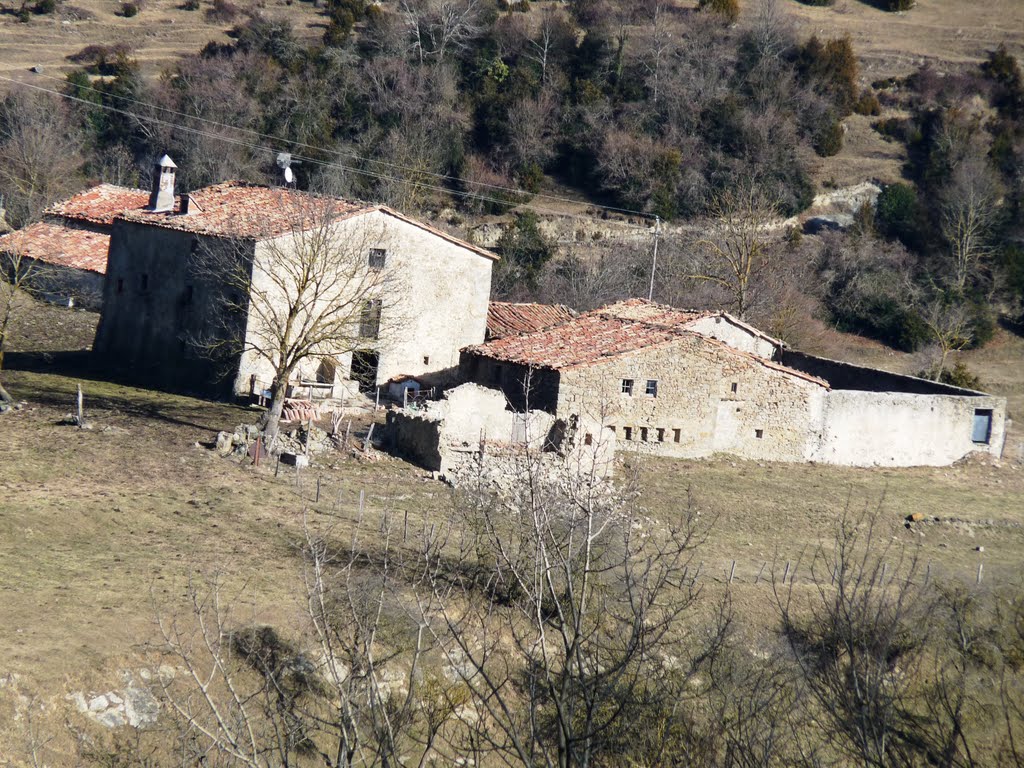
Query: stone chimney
x,y
161,199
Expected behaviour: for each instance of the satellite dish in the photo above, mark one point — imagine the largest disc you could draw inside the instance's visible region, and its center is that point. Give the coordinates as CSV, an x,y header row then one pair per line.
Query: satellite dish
x,y
289,177
284,159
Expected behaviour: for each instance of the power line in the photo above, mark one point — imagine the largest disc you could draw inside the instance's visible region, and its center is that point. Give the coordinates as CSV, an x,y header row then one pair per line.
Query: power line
x,y
336,152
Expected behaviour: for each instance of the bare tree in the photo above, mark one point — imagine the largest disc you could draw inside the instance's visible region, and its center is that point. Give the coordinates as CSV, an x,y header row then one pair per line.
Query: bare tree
x,y
949,323
736,252
293,300
40,154
968,216
563,610
438,28
351,688
19,277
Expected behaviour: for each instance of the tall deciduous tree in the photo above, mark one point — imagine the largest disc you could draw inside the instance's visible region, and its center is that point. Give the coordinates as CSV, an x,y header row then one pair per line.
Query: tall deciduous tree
x,y
735,252
969,216
40,154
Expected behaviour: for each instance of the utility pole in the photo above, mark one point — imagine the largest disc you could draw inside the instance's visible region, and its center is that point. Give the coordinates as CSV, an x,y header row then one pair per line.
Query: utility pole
x,y
654,262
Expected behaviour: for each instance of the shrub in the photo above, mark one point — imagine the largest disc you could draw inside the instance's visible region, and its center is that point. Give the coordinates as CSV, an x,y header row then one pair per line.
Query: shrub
x,y
829,139
190,5
223,11
45,6
24,15
728,9
820,3
898,212
958,376
831,67
129,9
867,104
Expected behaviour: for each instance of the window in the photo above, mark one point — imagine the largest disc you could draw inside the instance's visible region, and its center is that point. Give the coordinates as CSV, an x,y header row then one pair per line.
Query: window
x,y
982,431
143,282
426,359
661,434
627,387
758,433
369,319
735,386
627,432
378,256
120,285
643,434
652,388
676,435
588,439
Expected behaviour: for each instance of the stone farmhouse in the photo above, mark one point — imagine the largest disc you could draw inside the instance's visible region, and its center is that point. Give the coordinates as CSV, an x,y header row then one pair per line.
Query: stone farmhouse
x,y
71,242
691,384
158,302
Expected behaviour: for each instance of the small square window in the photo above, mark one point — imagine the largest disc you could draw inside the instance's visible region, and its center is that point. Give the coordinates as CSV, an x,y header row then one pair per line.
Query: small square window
x,y
652,387
643,434
378,256
735,386
143,282
588,439
627,386
661,434
758,433
676,435
426,359
627,432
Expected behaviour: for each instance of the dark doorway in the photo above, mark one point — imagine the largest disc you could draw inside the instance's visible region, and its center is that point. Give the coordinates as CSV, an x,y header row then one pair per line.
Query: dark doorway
x,y
364,369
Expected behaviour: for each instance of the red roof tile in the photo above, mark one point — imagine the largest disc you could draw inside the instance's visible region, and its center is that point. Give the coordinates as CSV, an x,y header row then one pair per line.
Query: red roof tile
x,y
252,211
595,336
60,245
505,318
99,204
651,312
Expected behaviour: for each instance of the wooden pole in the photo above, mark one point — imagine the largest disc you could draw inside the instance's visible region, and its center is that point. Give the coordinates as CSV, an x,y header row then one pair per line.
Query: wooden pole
x,y
732,571
980,567
81,415
763,566
318,479
785,575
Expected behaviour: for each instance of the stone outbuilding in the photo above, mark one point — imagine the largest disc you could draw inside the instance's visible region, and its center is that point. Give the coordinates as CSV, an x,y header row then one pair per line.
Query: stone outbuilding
x,y
473,425
69,246
158,301
692,384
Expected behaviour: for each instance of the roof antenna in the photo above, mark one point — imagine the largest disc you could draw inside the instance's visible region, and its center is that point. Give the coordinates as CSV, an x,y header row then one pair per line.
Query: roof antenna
x,y
284,162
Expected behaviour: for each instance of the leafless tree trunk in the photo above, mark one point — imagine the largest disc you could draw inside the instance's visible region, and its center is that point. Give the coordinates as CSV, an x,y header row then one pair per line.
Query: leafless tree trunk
x,y
969,214
565,603
736,249
950,327
19,278
304,296
40,154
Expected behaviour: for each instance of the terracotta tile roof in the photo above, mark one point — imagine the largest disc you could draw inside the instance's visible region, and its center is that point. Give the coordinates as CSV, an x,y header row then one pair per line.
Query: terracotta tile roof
x,y
651,312
99,204
662,314
60,245
237,209
595,336
253,211
505,318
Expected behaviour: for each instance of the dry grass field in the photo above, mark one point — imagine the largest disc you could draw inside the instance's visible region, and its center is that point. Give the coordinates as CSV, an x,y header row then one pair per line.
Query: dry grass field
x,y
101,529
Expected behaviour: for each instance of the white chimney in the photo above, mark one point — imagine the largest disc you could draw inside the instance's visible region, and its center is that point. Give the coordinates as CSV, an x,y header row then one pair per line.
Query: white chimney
x,y
161,199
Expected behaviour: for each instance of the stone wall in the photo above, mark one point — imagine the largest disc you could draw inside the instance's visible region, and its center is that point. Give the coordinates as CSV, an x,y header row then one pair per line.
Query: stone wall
x,y
154,305
897,429
709,399
735,335
434,297
472,425
842,375
512,379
